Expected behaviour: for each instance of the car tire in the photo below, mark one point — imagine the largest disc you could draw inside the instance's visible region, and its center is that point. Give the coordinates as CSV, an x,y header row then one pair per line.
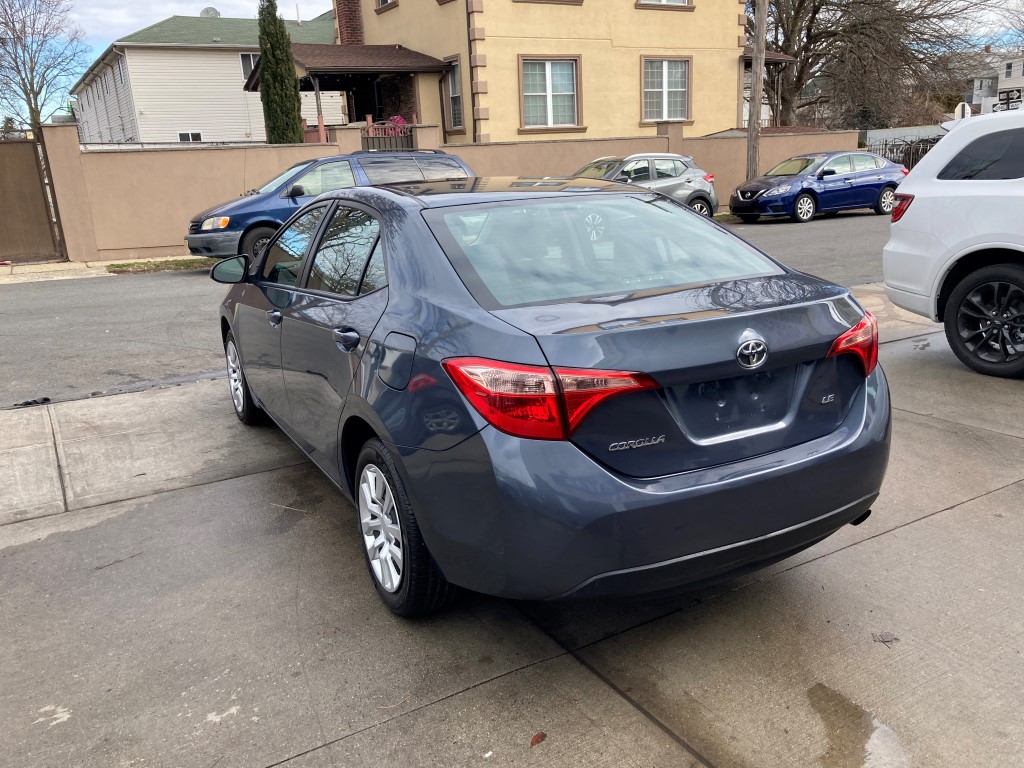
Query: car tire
x,y
241,397
403,572
886,201
702,207
256,239
804,208
749,218
992,292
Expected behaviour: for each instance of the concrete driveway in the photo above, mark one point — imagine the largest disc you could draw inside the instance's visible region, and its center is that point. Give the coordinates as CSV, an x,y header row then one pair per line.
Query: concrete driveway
x,y
180,590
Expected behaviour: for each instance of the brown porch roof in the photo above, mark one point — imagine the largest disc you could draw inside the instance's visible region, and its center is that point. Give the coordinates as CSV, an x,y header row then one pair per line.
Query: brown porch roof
x,y
345,59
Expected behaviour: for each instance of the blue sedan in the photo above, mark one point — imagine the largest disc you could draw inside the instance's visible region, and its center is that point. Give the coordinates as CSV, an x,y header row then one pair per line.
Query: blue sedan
x,y
821,182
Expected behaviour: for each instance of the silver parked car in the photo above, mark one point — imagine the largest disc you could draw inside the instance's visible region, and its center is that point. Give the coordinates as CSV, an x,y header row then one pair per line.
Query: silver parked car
x,y
676,176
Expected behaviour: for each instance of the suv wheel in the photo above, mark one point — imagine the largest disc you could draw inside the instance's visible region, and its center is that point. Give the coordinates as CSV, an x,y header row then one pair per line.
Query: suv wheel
x,y
984,320
701,206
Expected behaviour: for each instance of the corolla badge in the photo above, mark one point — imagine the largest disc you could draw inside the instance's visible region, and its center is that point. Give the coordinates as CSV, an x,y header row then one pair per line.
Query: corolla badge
x,y
752,353
643,442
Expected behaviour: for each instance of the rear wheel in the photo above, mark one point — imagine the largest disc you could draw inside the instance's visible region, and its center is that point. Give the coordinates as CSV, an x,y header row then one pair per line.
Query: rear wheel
x,y
886,201
749,218
256,240
701,206
241,398
403,572
984,320
804,208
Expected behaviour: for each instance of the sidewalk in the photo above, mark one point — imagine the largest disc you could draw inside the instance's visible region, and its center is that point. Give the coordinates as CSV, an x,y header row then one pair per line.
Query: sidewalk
x,y
69,270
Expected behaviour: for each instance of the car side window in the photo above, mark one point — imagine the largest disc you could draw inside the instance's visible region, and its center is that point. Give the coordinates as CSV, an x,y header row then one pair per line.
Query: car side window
x,y
838,164
863,163
995,156
667,169
284,256
375,277
440,168
879,162
327,178
343,253
638,170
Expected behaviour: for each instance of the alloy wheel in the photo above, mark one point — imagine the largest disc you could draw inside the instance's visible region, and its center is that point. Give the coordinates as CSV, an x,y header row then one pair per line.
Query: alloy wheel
x,y
381,528
235,380
991,322
887,201
805,208
702,208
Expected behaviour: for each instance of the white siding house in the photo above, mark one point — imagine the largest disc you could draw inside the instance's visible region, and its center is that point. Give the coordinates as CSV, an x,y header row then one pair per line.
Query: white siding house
x,y
181,80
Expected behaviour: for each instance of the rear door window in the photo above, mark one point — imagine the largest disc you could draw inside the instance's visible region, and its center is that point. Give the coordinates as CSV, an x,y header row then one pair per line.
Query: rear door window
x,y
552,251
343,252
668,169
390,170
863,163
283,262
996,156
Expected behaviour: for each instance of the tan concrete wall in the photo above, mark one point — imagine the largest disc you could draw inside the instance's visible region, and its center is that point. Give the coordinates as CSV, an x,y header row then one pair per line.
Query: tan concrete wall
x,y
549,158
25,230
129,204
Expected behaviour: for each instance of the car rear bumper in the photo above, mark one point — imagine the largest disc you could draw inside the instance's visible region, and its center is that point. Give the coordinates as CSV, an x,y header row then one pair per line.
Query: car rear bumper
x,y
912,302
534,519
221,244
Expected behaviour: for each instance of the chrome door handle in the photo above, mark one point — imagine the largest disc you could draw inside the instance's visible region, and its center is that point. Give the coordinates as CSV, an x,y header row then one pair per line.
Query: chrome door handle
x,y
274,317
346,338
879,178
848,181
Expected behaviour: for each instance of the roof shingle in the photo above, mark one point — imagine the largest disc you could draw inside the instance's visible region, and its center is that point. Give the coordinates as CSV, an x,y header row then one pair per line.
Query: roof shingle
x,y
217,31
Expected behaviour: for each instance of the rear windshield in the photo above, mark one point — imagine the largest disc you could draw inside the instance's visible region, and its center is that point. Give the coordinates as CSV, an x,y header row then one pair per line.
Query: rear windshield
x,y
795,166
597,169
391,170
550,251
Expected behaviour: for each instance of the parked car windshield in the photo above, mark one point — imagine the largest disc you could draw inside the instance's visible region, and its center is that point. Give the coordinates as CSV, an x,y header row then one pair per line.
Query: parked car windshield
x,y
795,166
550,251
277,181
597,169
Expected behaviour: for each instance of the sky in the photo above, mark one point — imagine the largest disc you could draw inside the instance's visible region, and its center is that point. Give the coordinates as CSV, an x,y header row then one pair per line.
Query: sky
x,y
106,20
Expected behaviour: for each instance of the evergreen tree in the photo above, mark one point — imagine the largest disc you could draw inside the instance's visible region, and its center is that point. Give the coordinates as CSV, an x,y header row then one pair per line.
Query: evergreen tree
x,y
279,88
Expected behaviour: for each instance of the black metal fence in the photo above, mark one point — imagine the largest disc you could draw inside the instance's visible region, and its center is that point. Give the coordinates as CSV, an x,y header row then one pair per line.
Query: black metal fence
x,y
906,151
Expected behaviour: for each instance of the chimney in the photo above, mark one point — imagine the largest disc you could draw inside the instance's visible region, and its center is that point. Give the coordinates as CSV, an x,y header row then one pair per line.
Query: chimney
x,y
349,18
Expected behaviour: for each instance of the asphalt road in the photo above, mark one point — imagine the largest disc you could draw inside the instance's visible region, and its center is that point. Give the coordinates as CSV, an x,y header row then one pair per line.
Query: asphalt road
x,y
66,339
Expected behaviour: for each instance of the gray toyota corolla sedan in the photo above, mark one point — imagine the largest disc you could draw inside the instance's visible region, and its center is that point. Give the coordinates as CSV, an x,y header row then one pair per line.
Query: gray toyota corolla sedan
x,y
543,389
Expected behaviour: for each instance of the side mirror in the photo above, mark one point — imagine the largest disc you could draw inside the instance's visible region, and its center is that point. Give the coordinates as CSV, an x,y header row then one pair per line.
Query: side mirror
x,y
231,271
294,191
826,172
623,178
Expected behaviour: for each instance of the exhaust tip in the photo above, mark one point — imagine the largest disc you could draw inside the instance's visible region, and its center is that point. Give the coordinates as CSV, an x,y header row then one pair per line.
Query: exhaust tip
x,y
862,518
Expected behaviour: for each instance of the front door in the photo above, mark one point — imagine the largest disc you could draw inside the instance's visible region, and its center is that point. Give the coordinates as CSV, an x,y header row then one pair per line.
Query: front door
x,y
262,307
327,326
837,189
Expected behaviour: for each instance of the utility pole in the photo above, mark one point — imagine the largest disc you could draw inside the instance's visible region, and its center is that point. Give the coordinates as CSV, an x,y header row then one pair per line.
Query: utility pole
x,y
756,86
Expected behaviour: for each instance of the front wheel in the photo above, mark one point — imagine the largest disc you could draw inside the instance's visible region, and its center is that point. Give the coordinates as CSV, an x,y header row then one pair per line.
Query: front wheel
x,y
886,202
256,240
702,207
241,398
402,570
804,208
984,320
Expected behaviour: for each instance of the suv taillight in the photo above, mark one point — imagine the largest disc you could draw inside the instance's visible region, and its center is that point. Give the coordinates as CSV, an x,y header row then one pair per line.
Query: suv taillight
x,y
862,341
709,178
535,401
902,203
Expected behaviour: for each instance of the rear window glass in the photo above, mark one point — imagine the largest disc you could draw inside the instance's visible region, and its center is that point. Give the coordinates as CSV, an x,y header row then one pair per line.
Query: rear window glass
x,y
391,170
551,251
996,156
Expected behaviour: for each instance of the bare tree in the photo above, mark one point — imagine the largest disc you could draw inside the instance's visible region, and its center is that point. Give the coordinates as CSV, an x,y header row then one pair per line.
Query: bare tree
x,y
41,54
870,61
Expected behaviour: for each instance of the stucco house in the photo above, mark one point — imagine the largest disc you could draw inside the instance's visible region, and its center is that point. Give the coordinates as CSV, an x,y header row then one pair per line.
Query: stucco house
x,y
180,80
536,69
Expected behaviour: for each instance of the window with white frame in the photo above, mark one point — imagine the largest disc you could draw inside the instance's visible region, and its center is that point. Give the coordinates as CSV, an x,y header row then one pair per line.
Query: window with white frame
x,y
249,61
455,95
549,93
1009,69
666,89
190,137
121,70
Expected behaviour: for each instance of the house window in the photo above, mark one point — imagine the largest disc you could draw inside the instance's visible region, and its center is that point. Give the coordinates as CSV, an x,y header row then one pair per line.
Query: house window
x,y
120,70
249,61
190,137
549,93
1009,69
455,95
666,89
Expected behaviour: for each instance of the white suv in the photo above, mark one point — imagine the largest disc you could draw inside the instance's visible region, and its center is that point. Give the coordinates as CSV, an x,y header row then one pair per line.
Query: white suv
x,y
956,250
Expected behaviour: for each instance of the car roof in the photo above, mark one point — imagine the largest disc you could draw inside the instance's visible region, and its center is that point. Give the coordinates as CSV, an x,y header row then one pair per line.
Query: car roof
x,y
483,189
362,154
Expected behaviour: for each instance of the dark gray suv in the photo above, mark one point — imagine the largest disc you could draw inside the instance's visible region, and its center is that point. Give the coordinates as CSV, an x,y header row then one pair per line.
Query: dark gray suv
x,y
525,405
677,176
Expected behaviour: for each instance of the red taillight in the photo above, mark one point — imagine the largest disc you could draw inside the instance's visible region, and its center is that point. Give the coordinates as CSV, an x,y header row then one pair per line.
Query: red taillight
x,y
709,178
902,203
862,341
534,401
904,170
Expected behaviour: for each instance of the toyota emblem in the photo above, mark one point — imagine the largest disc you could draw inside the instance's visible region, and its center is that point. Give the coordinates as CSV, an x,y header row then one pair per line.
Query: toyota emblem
x,y
752,354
